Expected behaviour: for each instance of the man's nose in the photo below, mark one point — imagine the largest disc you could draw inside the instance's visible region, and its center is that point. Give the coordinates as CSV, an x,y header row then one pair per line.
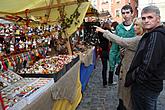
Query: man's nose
x,y
146,19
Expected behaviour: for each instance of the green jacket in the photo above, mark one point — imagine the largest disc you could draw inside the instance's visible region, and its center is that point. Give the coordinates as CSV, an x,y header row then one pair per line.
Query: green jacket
x,y
114,55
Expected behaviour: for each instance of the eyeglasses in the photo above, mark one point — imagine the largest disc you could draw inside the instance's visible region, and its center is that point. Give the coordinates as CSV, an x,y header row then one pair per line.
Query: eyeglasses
x,y
127,12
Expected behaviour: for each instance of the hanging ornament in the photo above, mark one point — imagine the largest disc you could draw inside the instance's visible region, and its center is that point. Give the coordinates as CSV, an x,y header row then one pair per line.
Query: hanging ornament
x,y
17,32
21,45
11,46
4,65
26,55
26,44
34,45
10,67
0,47
12,62
32,55
1,66
29,57
30,44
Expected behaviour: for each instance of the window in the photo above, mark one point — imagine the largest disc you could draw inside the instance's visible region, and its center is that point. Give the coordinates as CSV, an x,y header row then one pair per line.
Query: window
x,y
117,13
118,1
104,1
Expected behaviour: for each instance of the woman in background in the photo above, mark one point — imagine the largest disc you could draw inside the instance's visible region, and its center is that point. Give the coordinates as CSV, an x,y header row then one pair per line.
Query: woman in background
x,y
104,45
130,44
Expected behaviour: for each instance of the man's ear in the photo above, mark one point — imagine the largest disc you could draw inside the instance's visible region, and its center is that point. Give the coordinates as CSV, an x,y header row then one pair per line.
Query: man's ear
x,y
158,19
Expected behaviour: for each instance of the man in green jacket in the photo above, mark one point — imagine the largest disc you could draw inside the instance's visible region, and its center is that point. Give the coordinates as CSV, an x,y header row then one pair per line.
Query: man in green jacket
x,y
126,30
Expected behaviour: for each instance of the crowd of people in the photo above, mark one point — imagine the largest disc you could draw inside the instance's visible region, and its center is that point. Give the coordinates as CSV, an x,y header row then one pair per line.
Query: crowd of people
x,y
137,46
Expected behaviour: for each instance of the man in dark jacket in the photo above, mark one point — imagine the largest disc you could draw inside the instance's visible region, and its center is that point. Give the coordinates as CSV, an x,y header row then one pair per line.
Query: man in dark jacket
x,y
147,71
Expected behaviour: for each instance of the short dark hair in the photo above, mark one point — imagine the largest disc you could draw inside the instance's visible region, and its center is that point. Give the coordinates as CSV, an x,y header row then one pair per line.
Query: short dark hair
x,y
127,7
151,8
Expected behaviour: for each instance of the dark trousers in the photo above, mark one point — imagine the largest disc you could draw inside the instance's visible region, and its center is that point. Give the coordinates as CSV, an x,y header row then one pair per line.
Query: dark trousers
x,y
104,70
110,79
104,58
143,98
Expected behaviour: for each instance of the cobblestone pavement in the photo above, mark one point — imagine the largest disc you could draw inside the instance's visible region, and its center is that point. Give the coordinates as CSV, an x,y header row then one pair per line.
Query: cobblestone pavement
x,y
95,97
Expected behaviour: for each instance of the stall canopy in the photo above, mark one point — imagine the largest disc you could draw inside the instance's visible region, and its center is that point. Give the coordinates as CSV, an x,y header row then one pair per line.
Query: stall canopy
x,y
46,11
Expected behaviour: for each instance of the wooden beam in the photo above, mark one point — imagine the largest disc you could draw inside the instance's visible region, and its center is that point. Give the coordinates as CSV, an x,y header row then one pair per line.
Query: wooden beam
x,y
48,7
43,8
49,10
5,13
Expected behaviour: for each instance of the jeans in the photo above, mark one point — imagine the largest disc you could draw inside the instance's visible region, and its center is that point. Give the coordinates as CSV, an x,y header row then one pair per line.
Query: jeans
x,y
143,98
104,58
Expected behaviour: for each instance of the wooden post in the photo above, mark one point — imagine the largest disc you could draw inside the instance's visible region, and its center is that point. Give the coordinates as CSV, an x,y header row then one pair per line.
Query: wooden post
x,y
65,34
68,45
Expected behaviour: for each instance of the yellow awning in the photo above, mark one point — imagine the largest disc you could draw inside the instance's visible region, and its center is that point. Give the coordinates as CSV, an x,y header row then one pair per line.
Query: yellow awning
x,y
40,8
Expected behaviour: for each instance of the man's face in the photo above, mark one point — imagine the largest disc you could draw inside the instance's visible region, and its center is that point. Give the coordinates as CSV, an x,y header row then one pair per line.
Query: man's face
x,y
126,14
150,20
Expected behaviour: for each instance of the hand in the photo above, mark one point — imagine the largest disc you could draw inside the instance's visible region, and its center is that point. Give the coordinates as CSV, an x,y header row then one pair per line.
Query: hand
x,y
98,29
122,52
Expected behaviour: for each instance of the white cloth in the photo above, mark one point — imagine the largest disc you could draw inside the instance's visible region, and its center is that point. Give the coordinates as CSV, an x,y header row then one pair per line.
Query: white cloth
x,y
87,57
65,87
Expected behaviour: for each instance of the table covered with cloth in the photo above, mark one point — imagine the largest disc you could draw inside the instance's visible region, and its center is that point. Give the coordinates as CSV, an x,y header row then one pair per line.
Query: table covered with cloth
x,y
65,94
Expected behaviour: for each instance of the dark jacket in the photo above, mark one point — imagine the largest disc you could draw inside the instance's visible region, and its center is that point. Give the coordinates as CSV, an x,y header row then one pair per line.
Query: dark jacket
x,y
148,66
104,45
103,42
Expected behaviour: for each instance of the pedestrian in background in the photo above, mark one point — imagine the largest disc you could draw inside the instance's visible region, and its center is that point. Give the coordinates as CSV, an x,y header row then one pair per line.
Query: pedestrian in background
x,y
126,30
147,70
104,45
130,44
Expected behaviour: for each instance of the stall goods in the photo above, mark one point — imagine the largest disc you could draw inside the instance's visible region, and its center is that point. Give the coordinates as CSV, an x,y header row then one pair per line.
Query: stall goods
x,y
21,91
